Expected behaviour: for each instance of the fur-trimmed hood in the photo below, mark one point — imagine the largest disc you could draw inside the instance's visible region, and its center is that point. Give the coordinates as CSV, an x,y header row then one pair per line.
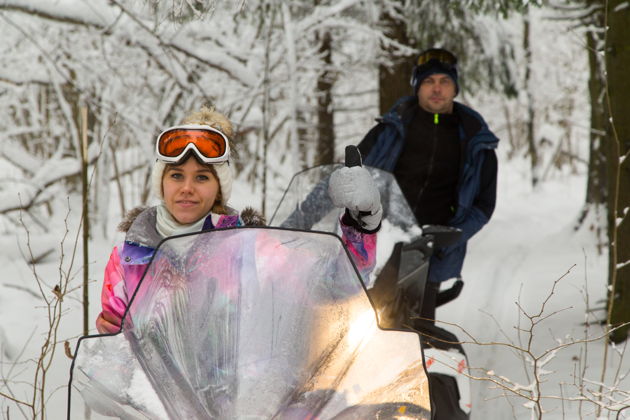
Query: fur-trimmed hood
x,y
129,218
249,216
139,224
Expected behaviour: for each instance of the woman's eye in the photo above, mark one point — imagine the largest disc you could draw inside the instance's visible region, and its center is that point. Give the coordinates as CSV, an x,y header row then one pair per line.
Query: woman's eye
x,y
202,177
176,175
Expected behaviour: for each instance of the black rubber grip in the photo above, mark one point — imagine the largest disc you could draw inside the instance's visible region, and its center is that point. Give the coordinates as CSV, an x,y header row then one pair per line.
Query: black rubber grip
x,y
353,156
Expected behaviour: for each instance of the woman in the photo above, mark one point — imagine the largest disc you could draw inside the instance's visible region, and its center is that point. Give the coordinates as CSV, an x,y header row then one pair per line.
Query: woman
x,y
192,177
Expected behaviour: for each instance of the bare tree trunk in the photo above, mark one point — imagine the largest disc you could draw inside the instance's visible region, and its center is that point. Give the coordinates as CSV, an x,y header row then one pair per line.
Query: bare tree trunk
x,y
617,64
394,79
596,186
325,113
304,141
529,122
85,192
85,218
266,104
597,181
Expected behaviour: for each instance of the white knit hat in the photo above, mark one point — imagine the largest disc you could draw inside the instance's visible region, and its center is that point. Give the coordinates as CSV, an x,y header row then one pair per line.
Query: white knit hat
x,y
206,116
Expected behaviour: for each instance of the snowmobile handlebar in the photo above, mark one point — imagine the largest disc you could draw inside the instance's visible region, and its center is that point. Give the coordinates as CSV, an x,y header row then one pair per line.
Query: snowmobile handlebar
x,y
353,156
442,236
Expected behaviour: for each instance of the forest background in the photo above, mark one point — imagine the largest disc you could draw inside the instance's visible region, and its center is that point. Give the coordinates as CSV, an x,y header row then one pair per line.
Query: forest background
x,y
86,86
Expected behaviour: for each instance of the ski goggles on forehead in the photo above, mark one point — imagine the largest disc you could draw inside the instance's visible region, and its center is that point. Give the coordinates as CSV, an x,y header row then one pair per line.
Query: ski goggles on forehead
x,y
442,56
210,144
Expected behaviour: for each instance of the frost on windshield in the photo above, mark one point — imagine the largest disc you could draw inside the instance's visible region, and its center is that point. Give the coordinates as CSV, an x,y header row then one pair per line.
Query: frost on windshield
x,y
251,323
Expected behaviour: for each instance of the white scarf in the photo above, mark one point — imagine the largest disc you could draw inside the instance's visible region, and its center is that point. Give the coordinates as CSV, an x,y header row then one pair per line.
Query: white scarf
x,y
166,224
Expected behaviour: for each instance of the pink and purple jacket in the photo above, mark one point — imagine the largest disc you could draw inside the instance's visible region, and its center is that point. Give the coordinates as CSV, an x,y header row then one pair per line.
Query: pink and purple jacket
x,y
128,262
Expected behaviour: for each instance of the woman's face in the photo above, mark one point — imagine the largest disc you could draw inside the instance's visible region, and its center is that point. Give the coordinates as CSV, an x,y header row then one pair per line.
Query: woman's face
x,y
190,190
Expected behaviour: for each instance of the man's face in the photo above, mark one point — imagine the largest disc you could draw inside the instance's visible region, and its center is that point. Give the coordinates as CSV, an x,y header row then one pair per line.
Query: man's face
x,y
436,94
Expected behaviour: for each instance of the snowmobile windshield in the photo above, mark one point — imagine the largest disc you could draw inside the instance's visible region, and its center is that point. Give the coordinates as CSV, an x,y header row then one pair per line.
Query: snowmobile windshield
x,y
306,205
250,323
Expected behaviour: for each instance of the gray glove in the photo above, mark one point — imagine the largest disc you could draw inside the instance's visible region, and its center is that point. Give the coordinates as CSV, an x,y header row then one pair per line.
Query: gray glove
x,y
354,189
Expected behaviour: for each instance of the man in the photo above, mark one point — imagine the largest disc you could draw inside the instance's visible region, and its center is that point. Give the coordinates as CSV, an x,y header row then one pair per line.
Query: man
x,y
441,152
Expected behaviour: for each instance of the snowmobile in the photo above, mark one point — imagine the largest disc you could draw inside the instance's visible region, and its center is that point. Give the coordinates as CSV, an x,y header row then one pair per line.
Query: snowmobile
x,y
273,323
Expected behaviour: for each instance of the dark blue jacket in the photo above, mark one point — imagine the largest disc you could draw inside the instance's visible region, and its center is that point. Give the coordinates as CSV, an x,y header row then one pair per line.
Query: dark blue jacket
x,y
381,148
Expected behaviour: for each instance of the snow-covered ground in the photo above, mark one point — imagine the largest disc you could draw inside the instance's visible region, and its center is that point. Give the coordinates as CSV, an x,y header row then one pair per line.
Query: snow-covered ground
x,y
510,271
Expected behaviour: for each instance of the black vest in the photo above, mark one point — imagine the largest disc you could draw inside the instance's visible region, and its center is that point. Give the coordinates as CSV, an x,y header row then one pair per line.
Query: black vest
x,y
429,166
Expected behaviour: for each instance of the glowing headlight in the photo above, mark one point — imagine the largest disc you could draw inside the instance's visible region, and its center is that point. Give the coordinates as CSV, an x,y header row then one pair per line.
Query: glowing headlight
x,y
362,326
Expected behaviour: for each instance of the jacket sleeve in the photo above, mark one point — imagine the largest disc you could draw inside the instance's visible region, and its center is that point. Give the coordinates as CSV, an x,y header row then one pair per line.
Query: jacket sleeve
x,y
368,142
362,246
485,200
113,296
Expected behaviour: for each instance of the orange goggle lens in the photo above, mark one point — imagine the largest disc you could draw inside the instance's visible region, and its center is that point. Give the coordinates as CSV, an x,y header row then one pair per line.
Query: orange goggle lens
x,y
442,56
209,144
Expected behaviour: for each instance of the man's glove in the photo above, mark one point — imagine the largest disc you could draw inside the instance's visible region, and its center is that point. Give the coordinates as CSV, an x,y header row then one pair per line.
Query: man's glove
x,y
354,189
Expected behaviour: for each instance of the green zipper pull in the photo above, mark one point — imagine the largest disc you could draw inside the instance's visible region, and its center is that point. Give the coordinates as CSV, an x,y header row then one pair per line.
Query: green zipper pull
x,y
436,119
